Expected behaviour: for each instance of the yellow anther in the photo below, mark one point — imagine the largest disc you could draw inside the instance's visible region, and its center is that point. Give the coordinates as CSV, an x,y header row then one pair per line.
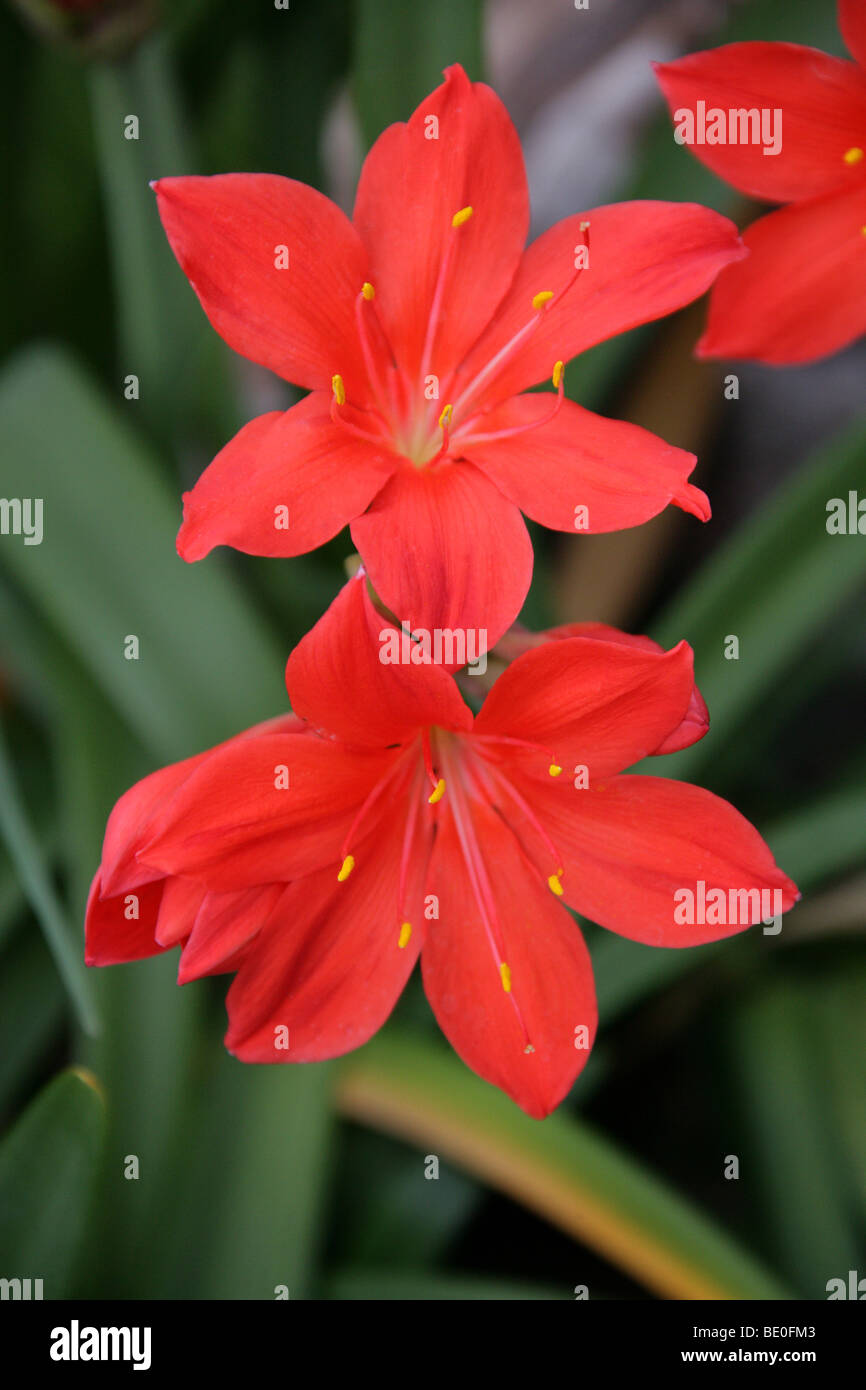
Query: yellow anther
x,y
554,884
346,868
462,216
367,290
554,769
505,977
540,299
405,933
854,155
445,417
338,388
863,230
437,793
557,375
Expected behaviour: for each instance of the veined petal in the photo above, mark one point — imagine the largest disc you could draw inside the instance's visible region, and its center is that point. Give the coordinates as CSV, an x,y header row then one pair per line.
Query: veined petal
x,y
285,484
265,810
533,1039
459,150
277,267
646,259
598,705
224,924
801,294
578,471
328,966
821,103
851,15
446,550
696,720
634,843
342,679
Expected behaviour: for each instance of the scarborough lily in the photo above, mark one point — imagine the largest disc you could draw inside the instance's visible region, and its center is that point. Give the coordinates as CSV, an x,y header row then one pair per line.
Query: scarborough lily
x,y
801,292
320,855
418,327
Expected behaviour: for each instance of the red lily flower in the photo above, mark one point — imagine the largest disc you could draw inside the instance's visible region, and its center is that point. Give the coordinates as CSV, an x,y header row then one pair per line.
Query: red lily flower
x,y
417,328
801,292
391,824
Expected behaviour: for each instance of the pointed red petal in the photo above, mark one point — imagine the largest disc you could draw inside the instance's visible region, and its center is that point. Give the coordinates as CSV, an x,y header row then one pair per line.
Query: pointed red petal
x,y
852,23
112,935
458,150
328,965
223,926
338,680
801,294
552,993
236,823
587,473
601,705
229,233
445,550
630,845
646,259
821,103
288,482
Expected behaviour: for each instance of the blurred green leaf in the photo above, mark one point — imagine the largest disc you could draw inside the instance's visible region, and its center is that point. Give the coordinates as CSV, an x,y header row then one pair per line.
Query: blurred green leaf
x,y
376,1284
560,1169
47,1166
32,1011
401,51
26,853
207,666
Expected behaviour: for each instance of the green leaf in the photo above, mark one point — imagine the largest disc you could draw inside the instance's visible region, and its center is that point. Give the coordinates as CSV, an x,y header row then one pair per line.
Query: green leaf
x,y
207,667
401,51
774,584
561,1169
47,1166
26,853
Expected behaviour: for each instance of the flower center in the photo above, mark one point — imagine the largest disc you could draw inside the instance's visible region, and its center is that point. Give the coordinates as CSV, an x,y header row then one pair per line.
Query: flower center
x,y
405,415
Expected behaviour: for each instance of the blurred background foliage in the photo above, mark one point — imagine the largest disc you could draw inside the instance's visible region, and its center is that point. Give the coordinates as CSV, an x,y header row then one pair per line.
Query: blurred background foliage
x,y
313,1177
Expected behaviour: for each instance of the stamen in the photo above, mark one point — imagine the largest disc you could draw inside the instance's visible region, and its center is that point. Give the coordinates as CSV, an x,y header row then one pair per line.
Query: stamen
x,y
405,934
367,290
557,378
346,868
338,389
462,216
508,787
854,155
558,381
554,769
554,883
444,423
543,297
505,976
457,221
437,793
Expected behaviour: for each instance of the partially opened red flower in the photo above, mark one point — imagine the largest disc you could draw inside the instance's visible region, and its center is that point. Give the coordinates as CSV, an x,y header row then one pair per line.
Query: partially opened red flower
x,y
801,292
391,823
418,328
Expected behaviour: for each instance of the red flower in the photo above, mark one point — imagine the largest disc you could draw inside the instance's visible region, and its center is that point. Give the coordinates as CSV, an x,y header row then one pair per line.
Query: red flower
x,y
393,824
801,293
417,328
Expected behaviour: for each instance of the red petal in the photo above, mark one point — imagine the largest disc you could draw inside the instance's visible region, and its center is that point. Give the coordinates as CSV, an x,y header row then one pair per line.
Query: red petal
x,y
178,910
294,466
630,845
224,924
851,15
131,824
552,989
328,965
226,232
696,721
646,259
445,550
802,292
823,106
601,705
234,828
336,679
411,186
111,937
622,475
